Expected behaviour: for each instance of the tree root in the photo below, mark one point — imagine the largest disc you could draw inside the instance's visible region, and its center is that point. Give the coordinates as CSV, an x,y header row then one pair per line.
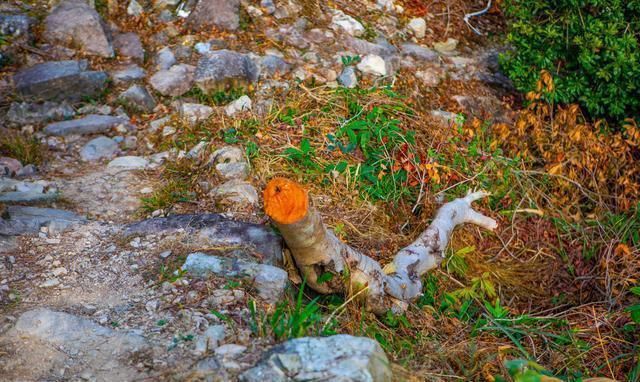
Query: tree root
x,y
320,255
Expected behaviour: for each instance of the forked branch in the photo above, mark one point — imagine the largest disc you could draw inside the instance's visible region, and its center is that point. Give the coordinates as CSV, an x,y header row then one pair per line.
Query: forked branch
x,y
317,251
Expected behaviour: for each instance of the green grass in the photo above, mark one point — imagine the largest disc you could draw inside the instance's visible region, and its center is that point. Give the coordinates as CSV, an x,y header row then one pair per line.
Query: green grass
x,y
302,318
26,149
216,98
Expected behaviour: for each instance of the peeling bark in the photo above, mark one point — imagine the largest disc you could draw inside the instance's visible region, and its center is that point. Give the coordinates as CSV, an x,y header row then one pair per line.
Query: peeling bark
x,y
316,249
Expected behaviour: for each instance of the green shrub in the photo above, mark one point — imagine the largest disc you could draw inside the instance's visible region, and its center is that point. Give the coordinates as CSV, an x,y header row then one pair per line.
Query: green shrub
x,y
589,46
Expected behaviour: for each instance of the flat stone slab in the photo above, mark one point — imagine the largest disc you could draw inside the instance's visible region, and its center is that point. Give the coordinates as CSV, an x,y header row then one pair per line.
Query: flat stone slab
x,y
129,163
59,80
22,220
256,241
337,358
15,191
26,113
91,124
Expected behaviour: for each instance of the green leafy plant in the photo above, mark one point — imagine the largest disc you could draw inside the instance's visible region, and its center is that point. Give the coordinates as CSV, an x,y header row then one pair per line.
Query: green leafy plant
x,y
217,98
589,46
349,60
303,156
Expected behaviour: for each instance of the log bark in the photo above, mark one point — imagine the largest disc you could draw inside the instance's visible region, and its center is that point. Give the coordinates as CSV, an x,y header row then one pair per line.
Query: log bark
x,y
317,251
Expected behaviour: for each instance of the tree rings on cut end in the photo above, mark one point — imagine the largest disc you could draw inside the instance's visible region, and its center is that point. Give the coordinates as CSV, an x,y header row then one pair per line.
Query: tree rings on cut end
x,y
285,201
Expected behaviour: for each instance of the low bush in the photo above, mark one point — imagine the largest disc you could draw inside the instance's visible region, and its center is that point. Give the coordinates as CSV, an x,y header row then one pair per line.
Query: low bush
x,y
589,46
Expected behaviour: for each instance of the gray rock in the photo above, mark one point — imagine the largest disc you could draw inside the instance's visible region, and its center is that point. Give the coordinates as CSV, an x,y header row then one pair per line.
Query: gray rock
x,y
50,283
20,220
239,105
269,281
165,59
446,117
336,358
27,113
488,108
230,351
273,65
91,124
211,339
134,8
230,163
193,113
379,47
59,80
91,350
73,23
9,166
197,150
129,163
15,25
224,68
214,230
227,171
373,64
236,194
13,191
208,369
128,45
128,74
98,148
138,98
223,14
348,77
343,22
173,82
419,52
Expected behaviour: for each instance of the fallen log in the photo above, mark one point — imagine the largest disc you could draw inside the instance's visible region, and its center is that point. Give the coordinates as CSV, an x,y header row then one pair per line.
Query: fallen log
x,y
318,252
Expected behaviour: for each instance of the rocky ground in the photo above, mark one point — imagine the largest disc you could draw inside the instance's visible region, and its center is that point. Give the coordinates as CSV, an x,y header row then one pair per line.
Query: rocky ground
x,y
91,288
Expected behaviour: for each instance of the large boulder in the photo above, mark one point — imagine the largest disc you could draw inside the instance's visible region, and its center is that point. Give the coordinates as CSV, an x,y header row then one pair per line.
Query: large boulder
x,y
337,358
224,14
73,23
225,68
91,124
59,80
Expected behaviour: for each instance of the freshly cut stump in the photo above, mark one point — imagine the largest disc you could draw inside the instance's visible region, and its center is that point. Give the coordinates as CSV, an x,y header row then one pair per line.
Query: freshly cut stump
x,y
316,249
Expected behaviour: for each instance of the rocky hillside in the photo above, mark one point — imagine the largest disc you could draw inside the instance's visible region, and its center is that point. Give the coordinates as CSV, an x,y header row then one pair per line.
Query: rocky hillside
x,y
136,137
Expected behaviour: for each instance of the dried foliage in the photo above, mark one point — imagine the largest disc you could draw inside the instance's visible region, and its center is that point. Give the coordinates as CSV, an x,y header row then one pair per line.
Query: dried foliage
x,y
591,166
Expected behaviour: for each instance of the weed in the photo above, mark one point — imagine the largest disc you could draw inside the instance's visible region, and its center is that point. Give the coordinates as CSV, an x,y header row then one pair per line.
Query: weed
x,y
216,98
286,321
350,60
170,193
28,150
